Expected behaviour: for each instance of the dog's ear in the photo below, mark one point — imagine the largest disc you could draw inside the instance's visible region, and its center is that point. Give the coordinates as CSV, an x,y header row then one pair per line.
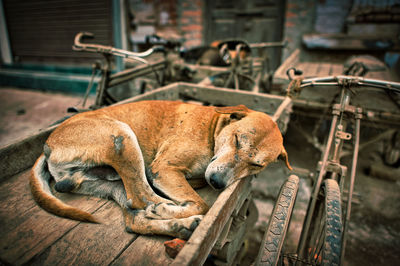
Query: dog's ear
x,y
236,112
284,157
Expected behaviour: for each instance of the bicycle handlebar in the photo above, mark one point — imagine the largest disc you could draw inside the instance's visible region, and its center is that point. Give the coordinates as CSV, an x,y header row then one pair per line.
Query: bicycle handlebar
x,y
351,80
97,48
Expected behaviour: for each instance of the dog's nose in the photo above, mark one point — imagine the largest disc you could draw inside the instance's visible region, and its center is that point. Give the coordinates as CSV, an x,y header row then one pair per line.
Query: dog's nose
x,y
216,182
64,186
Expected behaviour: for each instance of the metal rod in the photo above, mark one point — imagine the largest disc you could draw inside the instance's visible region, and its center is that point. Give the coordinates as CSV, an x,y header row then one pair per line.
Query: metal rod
x,y
138,71
268,44
101,87
367,81
97,48
283,106
351,186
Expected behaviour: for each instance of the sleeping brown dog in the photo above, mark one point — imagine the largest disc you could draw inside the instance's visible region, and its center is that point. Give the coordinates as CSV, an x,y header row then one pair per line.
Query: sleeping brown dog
x,y
145,155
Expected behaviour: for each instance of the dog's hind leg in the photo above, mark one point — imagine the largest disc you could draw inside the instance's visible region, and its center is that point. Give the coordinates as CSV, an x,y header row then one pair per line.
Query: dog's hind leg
x,y
136,221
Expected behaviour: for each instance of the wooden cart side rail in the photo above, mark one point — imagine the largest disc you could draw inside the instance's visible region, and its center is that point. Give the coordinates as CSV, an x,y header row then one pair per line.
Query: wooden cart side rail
x,y
168,92
262,102
199,245
22,154
196,250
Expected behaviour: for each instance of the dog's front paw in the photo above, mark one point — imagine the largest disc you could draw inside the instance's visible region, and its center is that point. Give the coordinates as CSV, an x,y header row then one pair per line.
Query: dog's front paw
x,y
162,211
184,227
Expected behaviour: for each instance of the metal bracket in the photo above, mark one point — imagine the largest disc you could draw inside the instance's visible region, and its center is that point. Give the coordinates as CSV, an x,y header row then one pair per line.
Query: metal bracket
x,y
343,135
333,167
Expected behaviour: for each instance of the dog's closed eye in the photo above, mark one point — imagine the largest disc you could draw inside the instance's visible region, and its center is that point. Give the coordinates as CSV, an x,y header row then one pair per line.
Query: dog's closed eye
x,y
257,165
237,143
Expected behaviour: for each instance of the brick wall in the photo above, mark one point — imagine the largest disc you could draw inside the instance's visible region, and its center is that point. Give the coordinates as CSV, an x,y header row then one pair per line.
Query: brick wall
x,y
300,17
191,21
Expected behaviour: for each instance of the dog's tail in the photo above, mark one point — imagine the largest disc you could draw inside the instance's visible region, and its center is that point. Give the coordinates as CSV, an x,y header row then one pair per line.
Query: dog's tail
x,y
40,188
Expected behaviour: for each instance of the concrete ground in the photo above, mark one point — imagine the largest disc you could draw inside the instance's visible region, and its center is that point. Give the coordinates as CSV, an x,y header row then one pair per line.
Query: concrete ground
x,y
374,231
24,112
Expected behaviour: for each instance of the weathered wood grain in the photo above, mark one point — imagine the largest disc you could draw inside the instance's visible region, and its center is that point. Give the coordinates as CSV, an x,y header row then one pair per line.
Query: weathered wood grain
x,y
90,244
311,69
336,69
22,154
204,237
324,69
169,92
26,229
14,201
146,251
267,103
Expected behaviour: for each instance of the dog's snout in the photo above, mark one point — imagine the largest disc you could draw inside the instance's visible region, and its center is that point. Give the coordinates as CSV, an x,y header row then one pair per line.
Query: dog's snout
x,y
216,181
64,186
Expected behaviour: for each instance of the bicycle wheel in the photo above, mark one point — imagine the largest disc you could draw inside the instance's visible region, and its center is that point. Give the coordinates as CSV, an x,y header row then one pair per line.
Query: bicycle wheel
x,y
271,246
323,244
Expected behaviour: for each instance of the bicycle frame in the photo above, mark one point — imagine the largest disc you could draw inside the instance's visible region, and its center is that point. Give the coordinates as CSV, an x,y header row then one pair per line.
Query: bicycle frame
x,y
109,80
329,166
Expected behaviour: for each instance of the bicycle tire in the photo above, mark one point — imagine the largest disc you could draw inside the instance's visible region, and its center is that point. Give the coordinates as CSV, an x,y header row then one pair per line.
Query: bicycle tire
x,y
274,236
323,246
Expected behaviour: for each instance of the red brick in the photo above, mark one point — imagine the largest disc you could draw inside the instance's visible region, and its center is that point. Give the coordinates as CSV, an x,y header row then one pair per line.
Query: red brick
x,y
289,24
192,43
290,14
192,13
192,27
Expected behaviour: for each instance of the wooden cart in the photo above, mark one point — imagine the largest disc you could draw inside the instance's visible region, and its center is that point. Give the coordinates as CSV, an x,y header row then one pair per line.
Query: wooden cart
x,y
30,235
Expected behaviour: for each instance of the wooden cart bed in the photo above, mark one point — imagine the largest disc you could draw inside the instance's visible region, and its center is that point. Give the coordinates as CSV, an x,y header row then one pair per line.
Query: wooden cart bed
x,y
29,235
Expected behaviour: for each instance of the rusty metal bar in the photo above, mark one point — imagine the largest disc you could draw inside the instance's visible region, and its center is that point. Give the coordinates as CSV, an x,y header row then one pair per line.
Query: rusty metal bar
x,y
352,180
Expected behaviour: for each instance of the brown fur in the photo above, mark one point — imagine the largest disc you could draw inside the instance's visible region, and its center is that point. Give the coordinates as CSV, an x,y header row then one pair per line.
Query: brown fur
x,y
176,143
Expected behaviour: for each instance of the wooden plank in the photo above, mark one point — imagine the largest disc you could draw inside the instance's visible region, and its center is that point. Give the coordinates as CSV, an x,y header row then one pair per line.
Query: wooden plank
x,y
90,244
169,92
13,194
348,42
310,69
267,103
152,248
336,69
22,154
199,245
324,69
146,250
25,234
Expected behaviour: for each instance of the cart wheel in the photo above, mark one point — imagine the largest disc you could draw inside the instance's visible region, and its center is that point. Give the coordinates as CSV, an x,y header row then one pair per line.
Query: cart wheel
x,y
271,246
323,245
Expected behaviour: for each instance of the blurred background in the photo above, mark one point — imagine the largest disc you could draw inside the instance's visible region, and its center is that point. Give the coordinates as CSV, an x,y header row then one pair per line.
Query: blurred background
x,y
37,36
41,76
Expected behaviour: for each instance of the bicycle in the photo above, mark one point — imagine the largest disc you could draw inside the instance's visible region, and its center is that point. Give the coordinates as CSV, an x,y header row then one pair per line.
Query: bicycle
x,y
324,234
245,71
159,67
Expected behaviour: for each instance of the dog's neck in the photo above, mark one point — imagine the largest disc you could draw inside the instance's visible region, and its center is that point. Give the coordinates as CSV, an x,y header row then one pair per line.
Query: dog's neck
x,y
218,122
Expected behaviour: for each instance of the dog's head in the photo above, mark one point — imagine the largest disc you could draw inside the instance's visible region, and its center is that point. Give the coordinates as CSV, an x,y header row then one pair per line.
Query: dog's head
x,y
246,141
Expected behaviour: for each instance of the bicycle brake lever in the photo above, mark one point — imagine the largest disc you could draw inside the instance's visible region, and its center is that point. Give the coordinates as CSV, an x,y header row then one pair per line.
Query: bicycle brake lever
x,y
297,72
78,45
